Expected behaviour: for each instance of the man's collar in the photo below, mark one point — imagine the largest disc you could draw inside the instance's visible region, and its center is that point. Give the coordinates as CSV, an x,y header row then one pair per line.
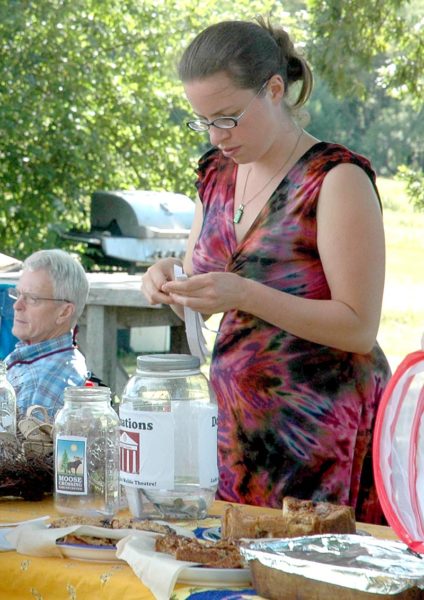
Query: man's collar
x,y
27,351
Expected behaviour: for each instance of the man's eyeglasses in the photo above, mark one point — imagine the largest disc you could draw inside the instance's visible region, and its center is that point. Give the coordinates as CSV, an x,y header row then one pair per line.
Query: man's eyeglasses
x,y
31,299
222,122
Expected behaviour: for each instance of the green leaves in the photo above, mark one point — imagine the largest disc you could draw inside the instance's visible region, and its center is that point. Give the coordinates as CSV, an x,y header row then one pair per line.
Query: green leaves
x,y
89,100
89,97
353,37
79,111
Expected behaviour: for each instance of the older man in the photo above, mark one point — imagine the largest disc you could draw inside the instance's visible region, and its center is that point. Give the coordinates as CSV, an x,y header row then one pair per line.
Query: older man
x,y
49,298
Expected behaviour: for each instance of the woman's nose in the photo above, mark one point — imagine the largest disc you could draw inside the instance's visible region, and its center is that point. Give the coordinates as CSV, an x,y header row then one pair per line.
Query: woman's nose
x,y
217,135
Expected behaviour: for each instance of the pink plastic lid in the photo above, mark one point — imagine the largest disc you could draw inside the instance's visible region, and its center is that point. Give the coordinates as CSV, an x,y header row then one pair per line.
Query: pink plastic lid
x,y
398,451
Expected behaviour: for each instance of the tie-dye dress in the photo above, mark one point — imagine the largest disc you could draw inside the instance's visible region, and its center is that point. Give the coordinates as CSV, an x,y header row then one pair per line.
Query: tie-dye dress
x,y
295,417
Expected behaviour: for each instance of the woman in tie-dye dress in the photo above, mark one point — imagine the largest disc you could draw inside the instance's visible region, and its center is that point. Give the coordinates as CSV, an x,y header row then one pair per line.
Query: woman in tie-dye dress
x,y
287,242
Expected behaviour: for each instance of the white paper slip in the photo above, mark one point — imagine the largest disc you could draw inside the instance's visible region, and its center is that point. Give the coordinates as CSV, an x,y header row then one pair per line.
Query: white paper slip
x,y
194,325
6,544
17,523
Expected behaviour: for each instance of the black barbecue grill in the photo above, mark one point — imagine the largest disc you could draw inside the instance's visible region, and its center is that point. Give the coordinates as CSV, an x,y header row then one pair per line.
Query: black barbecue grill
x,y
132,229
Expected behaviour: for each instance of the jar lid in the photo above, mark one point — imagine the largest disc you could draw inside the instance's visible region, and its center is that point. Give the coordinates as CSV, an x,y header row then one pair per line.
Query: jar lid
x,y
168,362
86,393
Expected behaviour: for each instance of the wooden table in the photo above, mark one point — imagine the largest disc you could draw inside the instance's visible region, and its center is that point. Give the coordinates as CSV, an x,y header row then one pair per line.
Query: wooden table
x,y
23,576
115,302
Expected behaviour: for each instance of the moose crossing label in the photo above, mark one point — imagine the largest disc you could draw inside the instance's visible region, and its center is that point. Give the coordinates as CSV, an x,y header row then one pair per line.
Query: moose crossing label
x,y
71,465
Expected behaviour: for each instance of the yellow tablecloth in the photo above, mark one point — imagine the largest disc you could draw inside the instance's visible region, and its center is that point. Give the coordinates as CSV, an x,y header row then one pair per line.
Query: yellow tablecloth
x,y
28,578
23,577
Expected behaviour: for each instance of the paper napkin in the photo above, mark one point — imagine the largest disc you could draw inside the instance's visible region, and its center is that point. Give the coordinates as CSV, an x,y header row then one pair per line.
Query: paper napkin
x,y
194,325
158,571
38,539
5,543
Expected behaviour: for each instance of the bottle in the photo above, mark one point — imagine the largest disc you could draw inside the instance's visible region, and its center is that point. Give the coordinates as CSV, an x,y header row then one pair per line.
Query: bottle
x,y
7,405
86,453
168,443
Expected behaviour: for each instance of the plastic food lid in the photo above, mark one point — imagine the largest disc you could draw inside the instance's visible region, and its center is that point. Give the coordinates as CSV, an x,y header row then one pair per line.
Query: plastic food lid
x,y
398,451
168,362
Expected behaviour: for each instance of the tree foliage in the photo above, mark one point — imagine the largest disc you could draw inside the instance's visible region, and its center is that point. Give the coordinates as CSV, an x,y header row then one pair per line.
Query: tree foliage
x,y
353,37
371,54
89,100
387,130
89,97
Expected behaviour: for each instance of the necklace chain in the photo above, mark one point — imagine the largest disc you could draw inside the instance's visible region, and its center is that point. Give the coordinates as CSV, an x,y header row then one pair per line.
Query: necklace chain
x,y
239,212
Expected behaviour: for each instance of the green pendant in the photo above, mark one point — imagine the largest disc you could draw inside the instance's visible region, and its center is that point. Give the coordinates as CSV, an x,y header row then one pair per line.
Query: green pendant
x,y
239,214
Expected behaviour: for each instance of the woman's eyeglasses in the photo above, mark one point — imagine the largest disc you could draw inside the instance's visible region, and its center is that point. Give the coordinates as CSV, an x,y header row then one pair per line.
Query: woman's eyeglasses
x,y
222,122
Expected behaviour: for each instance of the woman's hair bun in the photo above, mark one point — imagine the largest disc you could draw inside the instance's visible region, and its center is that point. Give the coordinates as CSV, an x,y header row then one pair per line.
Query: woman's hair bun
x,y
295,69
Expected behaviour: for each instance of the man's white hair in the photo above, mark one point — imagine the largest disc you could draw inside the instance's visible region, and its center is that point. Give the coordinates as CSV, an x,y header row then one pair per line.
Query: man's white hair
x,y
67,275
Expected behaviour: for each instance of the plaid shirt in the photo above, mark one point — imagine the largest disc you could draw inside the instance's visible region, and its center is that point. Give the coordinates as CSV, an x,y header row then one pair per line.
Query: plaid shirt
x,y
40,372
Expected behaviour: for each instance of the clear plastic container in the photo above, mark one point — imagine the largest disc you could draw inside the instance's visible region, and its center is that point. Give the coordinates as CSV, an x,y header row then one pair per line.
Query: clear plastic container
x,y
86,442
169,421
7,406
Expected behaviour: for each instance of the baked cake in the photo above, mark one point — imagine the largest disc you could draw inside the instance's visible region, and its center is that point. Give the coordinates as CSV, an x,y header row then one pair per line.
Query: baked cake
x,y
297,518
222,554
113,523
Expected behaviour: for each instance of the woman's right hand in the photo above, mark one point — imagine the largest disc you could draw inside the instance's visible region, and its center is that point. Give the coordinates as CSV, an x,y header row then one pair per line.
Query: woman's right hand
x,y
155,277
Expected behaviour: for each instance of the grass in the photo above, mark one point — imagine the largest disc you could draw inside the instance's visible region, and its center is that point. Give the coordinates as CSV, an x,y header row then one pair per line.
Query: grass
x,y
402,322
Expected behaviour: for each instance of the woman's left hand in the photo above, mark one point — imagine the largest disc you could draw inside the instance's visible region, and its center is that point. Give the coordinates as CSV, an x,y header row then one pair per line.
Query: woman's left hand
x,y
208,293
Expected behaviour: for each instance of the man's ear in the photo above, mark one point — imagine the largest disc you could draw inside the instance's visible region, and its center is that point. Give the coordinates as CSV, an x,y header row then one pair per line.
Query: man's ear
x,y
66,312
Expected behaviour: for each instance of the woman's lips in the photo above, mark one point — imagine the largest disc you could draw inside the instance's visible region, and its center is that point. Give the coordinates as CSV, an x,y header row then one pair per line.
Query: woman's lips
x,y
230,152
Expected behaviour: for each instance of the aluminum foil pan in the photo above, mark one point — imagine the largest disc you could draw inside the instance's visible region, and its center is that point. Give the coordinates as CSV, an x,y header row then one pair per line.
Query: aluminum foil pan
x,y
353,561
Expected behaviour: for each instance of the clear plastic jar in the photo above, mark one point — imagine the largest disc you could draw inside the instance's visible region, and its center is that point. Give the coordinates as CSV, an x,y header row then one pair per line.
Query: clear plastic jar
x,y
169,421
7,405
86,441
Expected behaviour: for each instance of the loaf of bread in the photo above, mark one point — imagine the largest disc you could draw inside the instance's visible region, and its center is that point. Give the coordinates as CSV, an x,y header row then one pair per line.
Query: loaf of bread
x,y
297,518
303,517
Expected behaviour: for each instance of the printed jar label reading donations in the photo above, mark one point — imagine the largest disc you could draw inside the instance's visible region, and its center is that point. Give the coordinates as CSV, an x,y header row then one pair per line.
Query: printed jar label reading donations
x,y
146,449
148,441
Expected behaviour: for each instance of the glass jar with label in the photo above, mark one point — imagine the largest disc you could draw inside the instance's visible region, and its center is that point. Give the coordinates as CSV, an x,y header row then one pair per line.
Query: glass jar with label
x,y
86,442
7,406
168,443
